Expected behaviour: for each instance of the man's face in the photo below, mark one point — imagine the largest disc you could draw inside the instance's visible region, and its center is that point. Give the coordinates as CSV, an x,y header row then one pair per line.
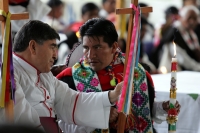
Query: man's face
x,y
190,20
45,55
90,14
58,11
97,52
110,6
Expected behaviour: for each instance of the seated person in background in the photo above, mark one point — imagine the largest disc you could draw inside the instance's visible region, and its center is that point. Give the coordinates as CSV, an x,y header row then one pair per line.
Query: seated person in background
x,y
101,69
88,11
143,55
186,40
54,17
108,10
149,34
163,34
65,47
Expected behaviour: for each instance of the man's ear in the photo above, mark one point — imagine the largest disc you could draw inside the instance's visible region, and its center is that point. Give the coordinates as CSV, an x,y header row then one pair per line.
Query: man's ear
x,y
32,47
114,47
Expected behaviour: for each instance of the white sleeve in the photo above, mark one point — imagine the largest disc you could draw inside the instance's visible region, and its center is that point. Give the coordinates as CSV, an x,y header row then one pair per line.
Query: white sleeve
x,y
23,112
85,109
159,115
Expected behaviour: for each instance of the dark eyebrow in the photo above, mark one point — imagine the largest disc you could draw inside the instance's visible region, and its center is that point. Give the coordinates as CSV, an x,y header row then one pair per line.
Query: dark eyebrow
x,y
85,46
96,45
53,44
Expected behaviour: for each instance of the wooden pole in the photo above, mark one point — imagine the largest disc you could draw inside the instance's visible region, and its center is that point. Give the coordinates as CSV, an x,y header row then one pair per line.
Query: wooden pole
x,y
5,7
122,116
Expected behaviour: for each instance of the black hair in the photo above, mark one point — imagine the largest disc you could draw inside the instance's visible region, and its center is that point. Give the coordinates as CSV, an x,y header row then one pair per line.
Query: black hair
x,y
54,3
98,27
71,39
171,10
142,5
88,7
144,21
33,30
24,3
103,1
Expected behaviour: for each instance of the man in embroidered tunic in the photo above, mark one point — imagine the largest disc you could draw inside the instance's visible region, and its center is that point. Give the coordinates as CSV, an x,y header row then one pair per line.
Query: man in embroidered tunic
x,y
39,95
100,70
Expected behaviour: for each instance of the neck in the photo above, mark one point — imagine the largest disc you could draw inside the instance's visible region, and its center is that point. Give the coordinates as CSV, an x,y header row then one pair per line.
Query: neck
x,y
26,57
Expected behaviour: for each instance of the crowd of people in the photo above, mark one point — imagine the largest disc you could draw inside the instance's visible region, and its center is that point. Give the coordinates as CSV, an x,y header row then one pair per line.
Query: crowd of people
x,y
82,89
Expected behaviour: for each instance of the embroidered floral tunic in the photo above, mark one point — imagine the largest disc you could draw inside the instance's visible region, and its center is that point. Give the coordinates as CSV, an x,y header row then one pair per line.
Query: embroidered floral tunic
x,y
82,78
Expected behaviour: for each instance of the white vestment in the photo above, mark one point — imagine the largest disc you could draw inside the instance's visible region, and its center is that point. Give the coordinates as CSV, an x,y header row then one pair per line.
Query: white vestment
x,y
42,95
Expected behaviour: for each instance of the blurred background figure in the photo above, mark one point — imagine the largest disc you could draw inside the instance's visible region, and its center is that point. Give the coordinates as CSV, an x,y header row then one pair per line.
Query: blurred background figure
x,y
147,40
189,2
54,16
163,34
108,10
65,46
122,44
88,11
143,55
186,40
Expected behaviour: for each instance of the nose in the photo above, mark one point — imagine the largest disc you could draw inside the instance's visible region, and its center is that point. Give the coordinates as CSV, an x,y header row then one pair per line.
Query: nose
x,y
90,54
55,54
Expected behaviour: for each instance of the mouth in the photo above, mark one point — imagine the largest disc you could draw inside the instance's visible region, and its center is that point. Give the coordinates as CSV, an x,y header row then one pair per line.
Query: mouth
x,y
93,62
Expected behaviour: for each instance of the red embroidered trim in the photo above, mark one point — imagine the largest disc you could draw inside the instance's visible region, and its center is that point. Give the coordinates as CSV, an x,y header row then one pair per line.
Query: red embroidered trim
x,y
45,101
38,72
75,107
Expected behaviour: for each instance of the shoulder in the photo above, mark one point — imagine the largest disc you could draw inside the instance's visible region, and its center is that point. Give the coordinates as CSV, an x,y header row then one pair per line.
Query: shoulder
x,y
64,73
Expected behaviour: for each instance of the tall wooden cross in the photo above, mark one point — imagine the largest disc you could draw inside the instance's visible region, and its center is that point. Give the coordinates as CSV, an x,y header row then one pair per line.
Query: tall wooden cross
x,y
5,7
122,116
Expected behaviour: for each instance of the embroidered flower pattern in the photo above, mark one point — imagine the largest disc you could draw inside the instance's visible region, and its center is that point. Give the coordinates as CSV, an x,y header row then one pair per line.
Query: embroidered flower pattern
x,y
146,111
80,87
142,125
77,65
84,74
137,99
143,87
85,63
94,82
136,75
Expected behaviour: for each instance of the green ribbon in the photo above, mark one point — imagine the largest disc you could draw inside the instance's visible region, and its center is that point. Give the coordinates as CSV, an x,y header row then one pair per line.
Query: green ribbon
x,y
5,56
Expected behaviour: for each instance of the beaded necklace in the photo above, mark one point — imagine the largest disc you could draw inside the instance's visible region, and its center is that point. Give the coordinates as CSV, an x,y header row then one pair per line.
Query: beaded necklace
x,y
109,69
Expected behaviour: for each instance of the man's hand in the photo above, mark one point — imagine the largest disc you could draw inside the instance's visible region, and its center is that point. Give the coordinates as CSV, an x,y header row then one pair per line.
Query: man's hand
x,y
114,94
113,115
165,106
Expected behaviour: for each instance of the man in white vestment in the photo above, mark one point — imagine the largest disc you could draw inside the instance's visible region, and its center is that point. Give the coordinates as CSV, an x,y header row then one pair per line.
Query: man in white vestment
x,y
39,96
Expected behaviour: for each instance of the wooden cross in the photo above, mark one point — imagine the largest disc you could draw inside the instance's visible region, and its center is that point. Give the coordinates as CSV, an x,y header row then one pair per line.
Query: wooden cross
x,y
5,7
122,116
130,23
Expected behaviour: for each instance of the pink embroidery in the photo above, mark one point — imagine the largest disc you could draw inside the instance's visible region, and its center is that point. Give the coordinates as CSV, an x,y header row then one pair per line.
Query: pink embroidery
x,y
94,82
80,86
143,87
